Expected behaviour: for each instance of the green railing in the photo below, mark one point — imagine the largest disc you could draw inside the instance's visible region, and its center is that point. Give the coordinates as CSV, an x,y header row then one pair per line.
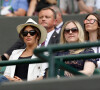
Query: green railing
x,y
54,48
46,54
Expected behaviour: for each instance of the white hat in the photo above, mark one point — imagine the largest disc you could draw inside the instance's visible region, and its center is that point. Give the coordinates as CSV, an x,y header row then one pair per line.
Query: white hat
x,y
31,22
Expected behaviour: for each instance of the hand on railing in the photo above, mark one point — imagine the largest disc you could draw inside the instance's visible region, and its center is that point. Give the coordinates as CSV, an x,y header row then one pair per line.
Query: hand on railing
x,y
68,74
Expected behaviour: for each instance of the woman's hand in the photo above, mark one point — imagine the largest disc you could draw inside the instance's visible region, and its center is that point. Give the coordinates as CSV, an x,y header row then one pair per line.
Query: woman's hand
x,y
15,79
68,74
19,79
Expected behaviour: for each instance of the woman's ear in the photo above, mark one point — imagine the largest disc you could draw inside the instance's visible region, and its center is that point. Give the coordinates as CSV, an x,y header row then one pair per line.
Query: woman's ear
x,y
98,27
37,39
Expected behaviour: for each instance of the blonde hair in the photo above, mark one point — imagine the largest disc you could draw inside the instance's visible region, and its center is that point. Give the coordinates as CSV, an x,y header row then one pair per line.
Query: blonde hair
x,y
80,35
80,29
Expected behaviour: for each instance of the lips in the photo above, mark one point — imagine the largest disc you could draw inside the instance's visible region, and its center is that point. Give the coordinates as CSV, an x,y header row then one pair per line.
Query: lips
x,y
28,39
88,25
71,36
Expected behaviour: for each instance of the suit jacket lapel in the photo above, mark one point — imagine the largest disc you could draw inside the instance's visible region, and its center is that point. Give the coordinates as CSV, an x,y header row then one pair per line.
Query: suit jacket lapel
x,y
54,38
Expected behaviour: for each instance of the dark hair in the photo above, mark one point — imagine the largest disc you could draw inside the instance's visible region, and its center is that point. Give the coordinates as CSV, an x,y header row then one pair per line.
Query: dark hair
x,y
37,30
98,20
48,8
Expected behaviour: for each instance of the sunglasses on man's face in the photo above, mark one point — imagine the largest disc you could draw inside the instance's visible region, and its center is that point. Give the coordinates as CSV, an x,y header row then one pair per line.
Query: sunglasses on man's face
x,y
32,33
89,21
73,30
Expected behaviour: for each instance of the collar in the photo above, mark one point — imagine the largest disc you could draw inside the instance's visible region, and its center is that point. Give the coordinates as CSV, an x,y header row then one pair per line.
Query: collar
x,y
59,25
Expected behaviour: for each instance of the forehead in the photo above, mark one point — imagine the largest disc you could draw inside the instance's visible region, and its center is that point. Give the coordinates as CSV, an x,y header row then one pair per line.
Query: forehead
x,y
70,25
28,28
91,17
47,12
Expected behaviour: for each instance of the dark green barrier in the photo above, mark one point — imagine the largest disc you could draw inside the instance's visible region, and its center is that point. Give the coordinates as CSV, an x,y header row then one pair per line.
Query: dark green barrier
x,y
39,52
53,48
52,60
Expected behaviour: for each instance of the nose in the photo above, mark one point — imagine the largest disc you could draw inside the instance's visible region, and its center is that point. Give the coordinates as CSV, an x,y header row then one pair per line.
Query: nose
x,y
88,22
43,18
28,34
70,31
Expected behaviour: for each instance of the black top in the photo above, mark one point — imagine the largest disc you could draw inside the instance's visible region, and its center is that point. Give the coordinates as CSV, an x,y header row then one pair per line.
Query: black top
x,y
40,4
78,64
22,69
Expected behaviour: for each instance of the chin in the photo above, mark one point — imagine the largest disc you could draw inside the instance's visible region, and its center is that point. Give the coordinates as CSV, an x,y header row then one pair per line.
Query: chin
x,y
88,29
72,41
29,43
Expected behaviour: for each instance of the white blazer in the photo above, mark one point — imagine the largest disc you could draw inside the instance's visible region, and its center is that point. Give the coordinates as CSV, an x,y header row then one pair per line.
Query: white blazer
x,y
34,70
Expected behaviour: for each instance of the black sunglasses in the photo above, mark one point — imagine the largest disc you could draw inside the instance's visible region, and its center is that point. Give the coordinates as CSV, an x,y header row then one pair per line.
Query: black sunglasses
x,y
73,30
32,33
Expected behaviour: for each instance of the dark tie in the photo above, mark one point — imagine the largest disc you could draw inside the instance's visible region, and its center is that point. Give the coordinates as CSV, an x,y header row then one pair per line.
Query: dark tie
x,y
43,44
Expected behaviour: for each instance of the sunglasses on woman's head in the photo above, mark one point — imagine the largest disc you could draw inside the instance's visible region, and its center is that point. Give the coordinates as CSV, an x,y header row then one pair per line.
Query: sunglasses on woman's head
x,y
32,33
89,21
73,30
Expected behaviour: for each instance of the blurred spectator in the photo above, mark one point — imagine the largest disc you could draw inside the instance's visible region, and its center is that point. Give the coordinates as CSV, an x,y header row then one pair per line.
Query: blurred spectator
x,y
86,6
58,17
97,5
14,7
32,7
67,7
36,5
77,6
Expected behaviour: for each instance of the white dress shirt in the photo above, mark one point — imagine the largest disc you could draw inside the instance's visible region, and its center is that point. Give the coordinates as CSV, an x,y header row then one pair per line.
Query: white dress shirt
x,y
58,27
97,50
49,34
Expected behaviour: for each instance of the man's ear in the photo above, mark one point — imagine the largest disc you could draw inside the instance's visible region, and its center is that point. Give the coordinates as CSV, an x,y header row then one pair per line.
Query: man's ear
x,y
55,22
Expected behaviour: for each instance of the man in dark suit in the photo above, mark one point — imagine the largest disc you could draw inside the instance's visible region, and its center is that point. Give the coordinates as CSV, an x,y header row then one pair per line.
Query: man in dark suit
x,y
47,18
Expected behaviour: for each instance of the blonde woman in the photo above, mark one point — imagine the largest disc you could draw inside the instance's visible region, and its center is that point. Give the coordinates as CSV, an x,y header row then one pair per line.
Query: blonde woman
x,y
72,32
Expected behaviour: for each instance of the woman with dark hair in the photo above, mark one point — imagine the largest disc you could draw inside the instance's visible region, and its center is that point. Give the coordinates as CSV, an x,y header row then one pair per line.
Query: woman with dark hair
x,y
33,35
92,26
92,30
